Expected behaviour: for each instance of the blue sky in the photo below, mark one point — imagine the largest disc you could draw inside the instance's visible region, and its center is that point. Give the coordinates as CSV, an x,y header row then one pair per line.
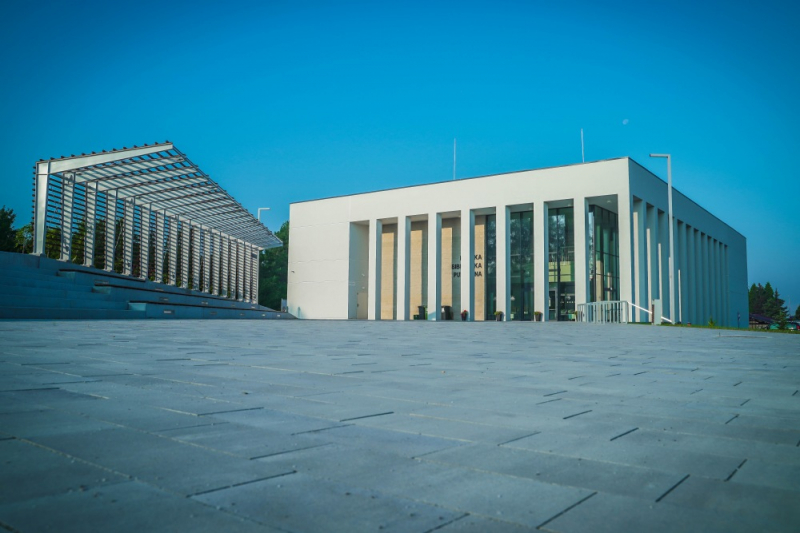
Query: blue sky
x,y
289,101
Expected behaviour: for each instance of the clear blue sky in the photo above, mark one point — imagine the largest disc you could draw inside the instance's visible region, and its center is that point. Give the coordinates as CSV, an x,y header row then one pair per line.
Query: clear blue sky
x,y
288,101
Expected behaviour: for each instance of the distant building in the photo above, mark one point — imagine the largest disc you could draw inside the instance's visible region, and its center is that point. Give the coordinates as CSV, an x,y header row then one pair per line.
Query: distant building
x,y
543,240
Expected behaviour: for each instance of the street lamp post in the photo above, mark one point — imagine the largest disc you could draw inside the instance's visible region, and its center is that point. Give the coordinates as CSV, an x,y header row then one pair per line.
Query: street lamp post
x,y
259,212
671,245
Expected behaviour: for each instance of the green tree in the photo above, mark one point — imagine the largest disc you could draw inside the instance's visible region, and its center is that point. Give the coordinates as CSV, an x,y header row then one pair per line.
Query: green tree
x,y
757,298
8,236
797,313
273,271
24,239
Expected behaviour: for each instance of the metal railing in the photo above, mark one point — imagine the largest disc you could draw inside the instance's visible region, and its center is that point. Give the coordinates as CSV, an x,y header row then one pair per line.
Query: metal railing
x,y
610,312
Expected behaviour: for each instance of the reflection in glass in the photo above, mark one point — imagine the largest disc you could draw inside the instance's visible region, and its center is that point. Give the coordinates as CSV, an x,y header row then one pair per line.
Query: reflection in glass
x,y
561,263
603,254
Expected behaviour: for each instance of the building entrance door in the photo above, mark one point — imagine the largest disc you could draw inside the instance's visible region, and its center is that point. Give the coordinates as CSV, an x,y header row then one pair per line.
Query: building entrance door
x,y
361,306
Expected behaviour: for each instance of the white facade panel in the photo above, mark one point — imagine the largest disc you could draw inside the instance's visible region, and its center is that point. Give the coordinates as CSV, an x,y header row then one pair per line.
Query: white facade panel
x,y
336,242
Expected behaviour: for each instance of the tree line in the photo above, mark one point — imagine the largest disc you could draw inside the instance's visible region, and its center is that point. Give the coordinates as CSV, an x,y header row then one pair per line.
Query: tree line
x,y
764,300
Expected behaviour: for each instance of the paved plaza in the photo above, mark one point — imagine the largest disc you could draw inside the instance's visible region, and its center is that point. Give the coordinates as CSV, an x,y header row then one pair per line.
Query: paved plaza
x,y
302,426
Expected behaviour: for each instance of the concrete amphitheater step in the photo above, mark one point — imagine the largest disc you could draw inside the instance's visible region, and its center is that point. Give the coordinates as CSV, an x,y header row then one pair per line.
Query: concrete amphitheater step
x,y
44,313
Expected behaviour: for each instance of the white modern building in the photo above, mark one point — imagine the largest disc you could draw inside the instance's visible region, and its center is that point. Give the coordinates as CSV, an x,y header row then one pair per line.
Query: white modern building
x,y
540,243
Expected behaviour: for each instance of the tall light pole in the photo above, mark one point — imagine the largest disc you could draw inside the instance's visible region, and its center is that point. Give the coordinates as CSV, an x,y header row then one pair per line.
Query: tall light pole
x,y
259,212
671,246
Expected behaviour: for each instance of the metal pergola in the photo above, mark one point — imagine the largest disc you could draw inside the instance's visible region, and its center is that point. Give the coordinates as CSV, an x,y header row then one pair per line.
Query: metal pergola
x,y
148,212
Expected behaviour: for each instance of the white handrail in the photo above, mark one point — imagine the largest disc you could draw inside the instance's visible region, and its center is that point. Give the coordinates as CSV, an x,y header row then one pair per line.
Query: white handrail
x,y
641,308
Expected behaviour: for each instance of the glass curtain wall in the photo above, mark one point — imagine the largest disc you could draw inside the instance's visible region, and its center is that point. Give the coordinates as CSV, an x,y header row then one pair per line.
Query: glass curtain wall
x,y
520,250
561,263
490,257
604,254
521,265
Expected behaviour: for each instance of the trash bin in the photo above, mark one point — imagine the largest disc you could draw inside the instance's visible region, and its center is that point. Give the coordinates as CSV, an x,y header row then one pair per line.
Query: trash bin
x,y
421,312
447,312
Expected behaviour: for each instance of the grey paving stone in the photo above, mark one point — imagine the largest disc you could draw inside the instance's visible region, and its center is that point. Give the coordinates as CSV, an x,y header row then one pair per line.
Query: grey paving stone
x,y
300,503
766,473
613,478
244,441
622,452
121,507
609,513
191,406
25,424
480,524
28,471
769,505
167,464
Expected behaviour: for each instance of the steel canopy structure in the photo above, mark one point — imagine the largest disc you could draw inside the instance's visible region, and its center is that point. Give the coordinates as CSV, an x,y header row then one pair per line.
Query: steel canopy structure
x,y
148,212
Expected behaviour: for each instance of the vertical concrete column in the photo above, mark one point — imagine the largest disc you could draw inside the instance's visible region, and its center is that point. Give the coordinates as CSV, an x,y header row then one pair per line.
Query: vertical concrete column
x,y
144,243
726,287
197,246
652,255
374,266
663,263
502,268
111,224
225,251
40,207
434,266
172,266
704,274
718,284
698,258
127,240
67,196
247,269
215,260
672,307
691,276
468,262
626,231
256,274
206,260
186,250
581,211
541,260
158,274
683,308
712,278
91,212
640,260
403,267
241,269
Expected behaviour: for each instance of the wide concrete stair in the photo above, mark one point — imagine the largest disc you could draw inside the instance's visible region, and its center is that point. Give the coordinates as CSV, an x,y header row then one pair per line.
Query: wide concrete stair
x,y
33,287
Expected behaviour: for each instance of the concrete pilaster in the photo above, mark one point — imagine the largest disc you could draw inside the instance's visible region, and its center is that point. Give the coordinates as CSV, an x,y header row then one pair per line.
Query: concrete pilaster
x,y
541,265
468,263
91,213
403,274
434,266
502,269
581,211
144,243
111,221
640,260
67,194
374,266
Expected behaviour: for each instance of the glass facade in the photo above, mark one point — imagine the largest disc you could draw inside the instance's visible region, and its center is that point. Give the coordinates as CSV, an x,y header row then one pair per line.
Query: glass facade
x,y
521,265
490,257
561,263
603,255
520,251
